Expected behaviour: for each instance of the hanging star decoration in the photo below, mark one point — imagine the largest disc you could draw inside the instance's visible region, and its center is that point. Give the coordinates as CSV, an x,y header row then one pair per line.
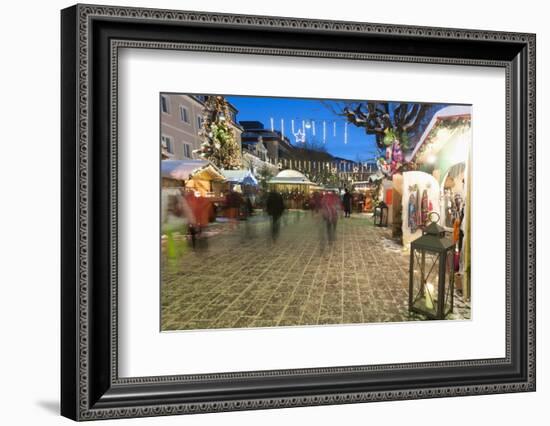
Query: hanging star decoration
x,y
300,136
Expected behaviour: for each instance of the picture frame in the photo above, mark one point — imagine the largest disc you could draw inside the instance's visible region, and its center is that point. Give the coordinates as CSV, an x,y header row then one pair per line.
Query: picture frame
x,y
90,385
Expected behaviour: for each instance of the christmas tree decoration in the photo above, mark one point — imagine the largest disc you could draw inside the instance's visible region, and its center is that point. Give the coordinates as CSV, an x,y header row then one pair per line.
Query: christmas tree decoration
x,y
219,144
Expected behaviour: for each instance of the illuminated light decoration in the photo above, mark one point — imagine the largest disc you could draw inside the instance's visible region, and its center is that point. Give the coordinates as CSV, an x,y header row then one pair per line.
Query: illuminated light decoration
x,y
346,132
282,128
324,132
334,129
272,125
313,128
445,127
300,136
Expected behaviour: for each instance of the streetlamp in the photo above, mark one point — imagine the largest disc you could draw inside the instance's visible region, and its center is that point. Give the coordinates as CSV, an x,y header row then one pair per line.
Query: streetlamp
x,y
381,214
431,273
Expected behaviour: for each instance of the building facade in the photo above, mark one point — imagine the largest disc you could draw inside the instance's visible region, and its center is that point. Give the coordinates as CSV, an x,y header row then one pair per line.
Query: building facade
x,y
255,134
181,119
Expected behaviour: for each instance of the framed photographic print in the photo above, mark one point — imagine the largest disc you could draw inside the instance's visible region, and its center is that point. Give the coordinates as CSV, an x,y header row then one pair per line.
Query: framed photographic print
x,y
265,212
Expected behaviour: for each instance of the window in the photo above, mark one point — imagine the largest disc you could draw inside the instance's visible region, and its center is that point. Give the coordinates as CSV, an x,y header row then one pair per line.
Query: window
x,y
186,150
199,122
184,114
166,143
165,104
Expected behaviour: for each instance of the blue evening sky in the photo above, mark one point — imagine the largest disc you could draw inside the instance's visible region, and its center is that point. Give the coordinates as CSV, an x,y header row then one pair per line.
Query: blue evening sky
x,y
360,146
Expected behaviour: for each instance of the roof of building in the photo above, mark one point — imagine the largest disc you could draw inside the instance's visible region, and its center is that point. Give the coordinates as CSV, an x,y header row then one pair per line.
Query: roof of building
x,y
289,173
447,113
243,177
253,135
291,177
186,169
255,125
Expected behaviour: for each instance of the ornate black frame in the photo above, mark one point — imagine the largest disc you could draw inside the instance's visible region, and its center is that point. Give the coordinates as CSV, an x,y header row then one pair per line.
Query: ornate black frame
x,y
91,37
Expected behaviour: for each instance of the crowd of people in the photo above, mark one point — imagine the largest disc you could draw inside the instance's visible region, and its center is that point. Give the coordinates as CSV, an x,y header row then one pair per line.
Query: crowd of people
x,y
191,214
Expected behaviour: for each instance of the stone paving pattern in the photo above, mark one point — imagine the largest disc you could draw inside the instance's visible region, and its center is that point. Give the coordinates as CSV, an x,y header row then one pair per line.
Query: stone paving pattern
x,y
242,279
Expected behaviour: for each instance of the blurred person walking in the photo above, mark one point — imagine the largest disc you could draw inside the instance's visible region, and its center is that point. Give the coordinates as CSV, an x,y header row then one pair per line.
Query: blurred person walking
x,y
275,207
177,218
330,208
347,200
315,202
199,218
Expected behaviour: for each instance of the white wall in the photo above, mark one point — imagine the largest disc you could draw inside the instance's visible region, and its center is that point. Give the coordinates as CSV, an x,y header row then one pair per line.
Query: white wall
x,y
29,225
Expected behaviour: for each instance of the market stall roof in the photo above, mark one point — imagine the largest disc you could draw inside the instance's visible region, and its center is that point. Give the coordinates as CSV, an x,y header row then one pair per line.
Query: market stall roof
x,y
291,177
447,113
242,177
187,169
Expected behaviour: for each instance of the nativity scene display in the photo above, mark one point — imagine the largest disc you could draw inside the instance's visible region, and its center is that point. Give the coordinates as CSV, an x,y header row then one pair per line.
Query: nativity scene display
x,y
306,212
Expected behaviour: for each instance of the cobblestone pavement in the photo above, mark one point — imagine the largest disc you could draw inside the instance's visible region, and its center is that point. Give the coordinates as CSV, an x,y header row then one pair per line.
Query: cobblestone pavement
x,y
242,279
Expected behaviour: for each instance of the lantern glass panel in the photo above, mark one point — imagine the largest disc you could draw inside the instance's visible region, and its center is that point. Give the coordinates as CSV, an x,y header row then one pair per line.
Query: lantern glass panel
x,y
425,289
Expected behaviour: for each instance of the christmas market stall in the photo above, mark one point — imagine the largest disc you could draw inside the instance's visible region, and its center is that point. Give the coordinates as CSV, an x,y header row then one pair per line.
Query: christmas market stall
x,y
244,179
420,197
443,154
365,193
243,182
293,186
198,175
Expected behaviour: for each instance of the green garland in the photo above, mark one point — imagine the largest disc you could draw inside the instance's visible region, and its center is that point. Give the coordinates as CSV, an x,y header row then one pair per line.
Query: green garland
x,y
454,124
